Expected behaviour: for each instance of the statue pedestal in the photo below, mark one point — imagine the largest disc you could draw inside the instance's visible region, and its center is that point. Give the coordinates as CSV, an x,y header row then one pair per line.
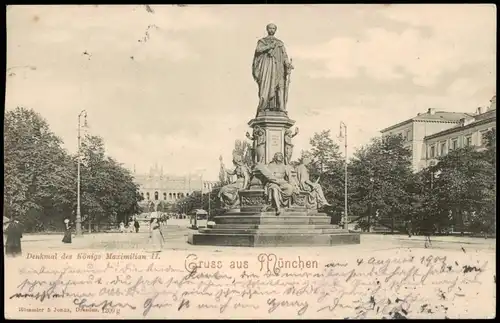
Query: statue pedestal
x,y
256,224
265,229
274,124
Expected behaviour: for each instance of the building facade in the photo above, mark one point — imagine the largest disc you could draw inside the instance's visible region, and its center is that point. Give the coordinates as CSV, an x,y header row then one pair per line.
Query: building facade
x,y
416,129
156,186
469,132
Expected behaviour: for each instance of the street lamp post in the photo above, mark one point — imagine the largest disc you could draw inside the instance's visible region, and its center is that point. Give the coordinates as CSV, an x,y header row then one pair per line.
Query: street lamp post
x,y
78,211
209,191
344,219
209,197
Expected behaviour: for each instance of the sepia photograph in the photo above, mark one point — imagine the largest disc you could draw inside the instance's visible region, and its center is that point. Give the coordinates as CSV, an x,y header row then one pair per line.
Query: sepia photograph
x,y
332,161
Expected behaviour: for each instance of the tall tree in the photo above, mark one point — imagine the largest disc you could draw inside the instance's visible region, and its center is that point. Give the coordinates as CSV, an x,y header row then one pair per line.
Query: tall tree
x,y
380,175
108,189
324,151
327,166
465,185
41,177
491,146
37,170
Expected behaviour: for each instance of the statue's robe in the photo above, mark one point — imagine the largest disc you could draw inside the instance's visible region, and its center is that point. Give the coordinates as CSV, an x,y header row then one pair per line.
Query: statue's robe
x,y
277,178
269,71
228,194
316,195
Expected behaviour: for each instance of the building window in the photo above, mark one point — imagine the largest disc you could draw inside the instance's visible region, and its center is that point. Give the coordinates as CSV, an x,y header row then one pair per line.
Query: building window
x,y
147,195
156,196
454,143
432,151
164,196
142,195
468,141
442,150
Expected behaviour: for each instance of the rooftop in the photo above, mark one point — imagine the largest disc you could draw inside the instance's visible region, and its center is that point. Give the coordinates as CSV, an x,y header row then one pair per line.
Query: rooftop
x,y
477,119
431,115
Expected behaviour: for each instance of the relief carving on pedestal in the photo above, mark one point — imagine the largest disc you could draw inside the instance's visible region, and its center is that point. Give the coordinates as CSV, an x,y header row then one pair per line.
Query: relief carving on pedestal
x,y
253,200
299,200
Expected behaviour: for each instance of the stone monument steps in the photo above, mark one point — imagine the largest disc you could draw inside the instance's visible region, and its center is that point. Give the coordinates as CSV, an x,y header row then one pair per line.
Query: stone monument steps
x,y
276,226
276,239
260,231
272,220
306,240
285,213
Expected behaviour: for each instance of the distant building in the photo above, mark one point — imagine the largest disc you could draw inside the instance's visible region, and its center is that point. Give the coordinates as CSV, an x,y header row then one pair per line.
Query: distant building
x,y
156,186
432,134
470,131
415,130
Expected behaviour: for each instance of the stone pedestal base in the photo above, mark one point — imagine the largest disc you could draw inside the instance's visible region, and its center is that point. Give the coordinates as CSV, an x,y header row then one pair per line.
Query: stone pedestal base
x,y
274,124
291,228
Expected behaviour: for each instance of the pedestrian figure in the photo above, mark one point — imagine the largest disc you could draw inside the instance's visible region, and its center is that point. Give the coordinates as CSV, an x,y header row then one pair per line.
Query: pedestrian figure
x,y
409,228
14,232
131,226
122,227
67,231
427,227
428,242
155,234
136,225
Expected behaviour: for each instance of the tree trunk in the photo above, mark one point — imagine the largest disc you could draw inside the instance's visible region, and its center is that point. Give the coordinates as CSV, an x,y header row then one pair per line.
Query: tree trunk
x,y
461,219
369,219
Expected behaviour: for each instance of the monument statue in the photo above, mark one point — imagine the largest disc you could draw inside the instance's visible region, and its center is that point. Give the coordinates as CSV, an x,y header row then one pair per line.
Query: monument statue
x,y
271,203
228,194
277,182
259,144
288,144
316,195
271,70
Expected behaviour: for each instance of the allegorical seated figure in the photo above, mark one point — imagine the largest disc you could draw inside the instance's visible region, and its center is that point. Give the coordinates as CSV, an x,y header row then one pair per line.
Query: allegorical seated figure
x,y
316,195
276,178
228,194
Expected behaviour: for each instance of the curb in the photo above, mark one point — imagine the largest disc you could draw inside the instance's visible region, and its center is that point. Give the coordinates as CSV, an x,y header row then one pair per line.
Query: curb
x,y
445,241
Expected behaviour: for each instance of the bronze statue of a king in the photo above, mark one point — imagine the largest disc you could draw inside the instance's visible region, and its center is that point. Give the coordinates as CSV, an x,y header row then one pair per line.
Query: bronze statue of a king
x,y
271,70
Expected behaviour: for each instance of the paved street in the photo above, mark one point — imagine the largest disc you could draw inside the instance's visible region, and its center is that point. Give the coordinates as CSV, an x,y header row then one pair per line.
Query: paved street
x,y
176,239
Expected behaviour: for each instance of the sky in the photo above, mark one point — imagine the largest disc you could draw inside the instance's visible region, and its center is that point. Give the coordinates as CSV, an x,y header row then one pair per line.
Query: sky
x,y
174,86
